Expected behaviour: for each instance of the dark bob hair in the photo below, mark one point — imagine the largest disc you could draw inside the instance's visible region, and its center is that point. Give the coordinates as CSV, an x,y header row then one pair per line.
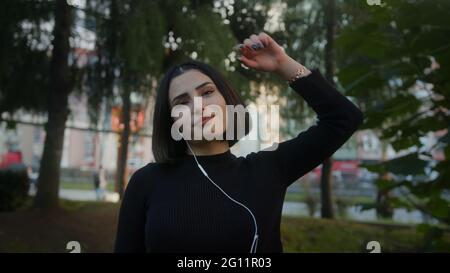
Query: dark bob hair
x,y
165,148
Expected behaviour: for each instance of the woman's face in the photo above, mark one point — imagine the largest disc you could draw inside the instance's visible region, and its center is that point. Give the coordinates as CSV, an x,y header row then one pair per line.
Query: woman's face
x,y
194,84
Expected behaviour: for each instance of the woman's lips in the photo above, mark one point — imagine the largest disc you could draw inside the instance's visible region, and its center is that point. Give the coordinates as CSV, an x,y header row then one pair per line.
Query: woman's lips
x,y
205,119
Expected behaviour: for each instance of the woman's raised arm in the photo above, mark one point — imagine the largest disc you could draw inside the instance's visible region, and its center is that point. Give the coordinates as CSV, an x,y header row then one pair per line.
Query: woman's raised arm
x,y
338,117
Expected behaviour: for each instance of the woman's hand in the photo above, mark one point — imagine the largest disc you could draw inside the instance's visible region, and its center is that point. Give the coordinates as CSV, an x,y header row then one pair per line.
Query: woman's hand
x,y
262,53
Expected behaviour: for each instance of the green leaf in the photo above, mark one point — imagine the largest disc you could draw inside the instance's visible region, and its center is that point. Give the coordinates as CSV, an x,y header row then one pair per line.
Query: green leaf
x,y
386,185
409,164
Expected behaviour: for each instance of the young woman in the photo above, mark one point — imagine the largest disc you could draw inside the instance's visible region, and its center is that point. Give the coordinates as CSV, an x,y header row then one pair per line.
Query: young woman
x,y
198,196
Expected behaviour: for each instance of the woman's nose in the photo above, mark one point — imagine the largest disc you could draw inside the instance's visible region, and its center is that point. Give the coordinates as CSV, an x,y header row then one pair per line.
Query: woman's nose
x,y
198,108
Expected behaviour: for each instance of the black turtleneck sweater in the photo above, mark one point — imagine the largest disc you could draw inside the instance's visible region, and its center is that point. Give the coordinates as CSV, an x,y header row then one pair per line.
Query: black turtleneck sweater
x,y
174,208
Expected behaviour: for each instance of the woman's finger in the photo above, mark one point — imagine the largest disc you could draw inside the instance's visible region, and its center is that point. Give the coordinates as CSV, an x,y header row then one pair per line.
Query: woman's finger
x,y
248,62
242,49
256,42
248,43
238,47
263,37
270,43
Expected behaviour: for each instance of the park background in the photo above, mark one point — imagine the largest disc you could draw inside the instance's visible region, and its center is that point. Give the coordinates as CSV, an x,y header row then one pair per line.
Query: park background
x,y
77,88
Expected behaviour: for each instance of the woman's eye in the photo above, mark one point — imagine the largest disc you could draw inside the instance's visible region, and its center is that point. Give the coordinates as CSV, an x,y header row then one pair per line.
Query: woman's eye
x,y
208,92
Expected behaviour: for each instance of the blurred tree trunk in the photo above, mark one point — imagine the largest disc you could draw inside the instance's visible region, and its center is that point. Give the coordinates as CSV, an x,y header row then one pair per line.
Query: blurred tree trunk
x,y
60,87
121,175
384,207
326,178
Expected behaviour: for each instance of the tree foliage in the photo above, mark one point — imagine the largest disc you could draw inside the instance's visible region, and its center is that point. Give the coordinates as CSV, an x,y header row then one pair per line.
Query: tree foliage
x,y
397,62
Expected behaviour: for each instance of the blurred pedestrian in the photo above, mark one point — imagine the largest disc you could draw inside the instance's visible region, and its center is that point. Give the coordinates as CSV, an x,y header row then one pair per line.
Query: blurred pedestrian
x,y
100,183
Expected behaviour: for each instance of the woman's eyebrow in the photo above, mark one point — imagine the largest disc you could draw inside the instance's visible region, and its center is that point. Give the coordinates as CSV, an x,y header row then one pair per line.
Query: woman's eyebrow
x,y
185,93
179,97
201,85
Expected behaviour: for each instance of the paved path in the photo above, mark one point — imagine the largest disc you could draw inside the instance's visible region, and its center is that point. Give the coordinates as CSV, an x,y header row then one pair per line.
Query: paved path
x,y
83,195
289,208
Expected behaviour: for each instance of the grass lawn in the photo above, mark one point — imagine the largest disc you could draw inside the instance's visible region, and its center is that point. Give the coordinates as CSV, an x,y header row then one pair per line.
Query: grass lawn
x,y
321,235
93,224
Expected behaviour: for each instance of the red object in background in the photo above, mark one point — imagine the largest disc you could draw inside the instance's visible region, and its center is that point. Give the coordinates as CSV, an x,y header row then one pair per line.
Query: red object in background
x,y
344,166
10,158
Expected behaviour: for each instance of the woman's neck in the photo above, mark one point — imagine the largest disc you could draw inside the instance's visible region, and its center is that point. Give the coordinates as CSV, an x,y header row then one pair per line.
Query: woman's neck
x,y
208,147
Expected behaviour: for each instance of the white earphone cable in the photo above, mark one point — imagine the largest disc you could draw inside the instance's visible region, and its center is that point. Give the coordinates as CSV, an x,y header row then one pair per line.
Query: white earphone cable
x,y
255,237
